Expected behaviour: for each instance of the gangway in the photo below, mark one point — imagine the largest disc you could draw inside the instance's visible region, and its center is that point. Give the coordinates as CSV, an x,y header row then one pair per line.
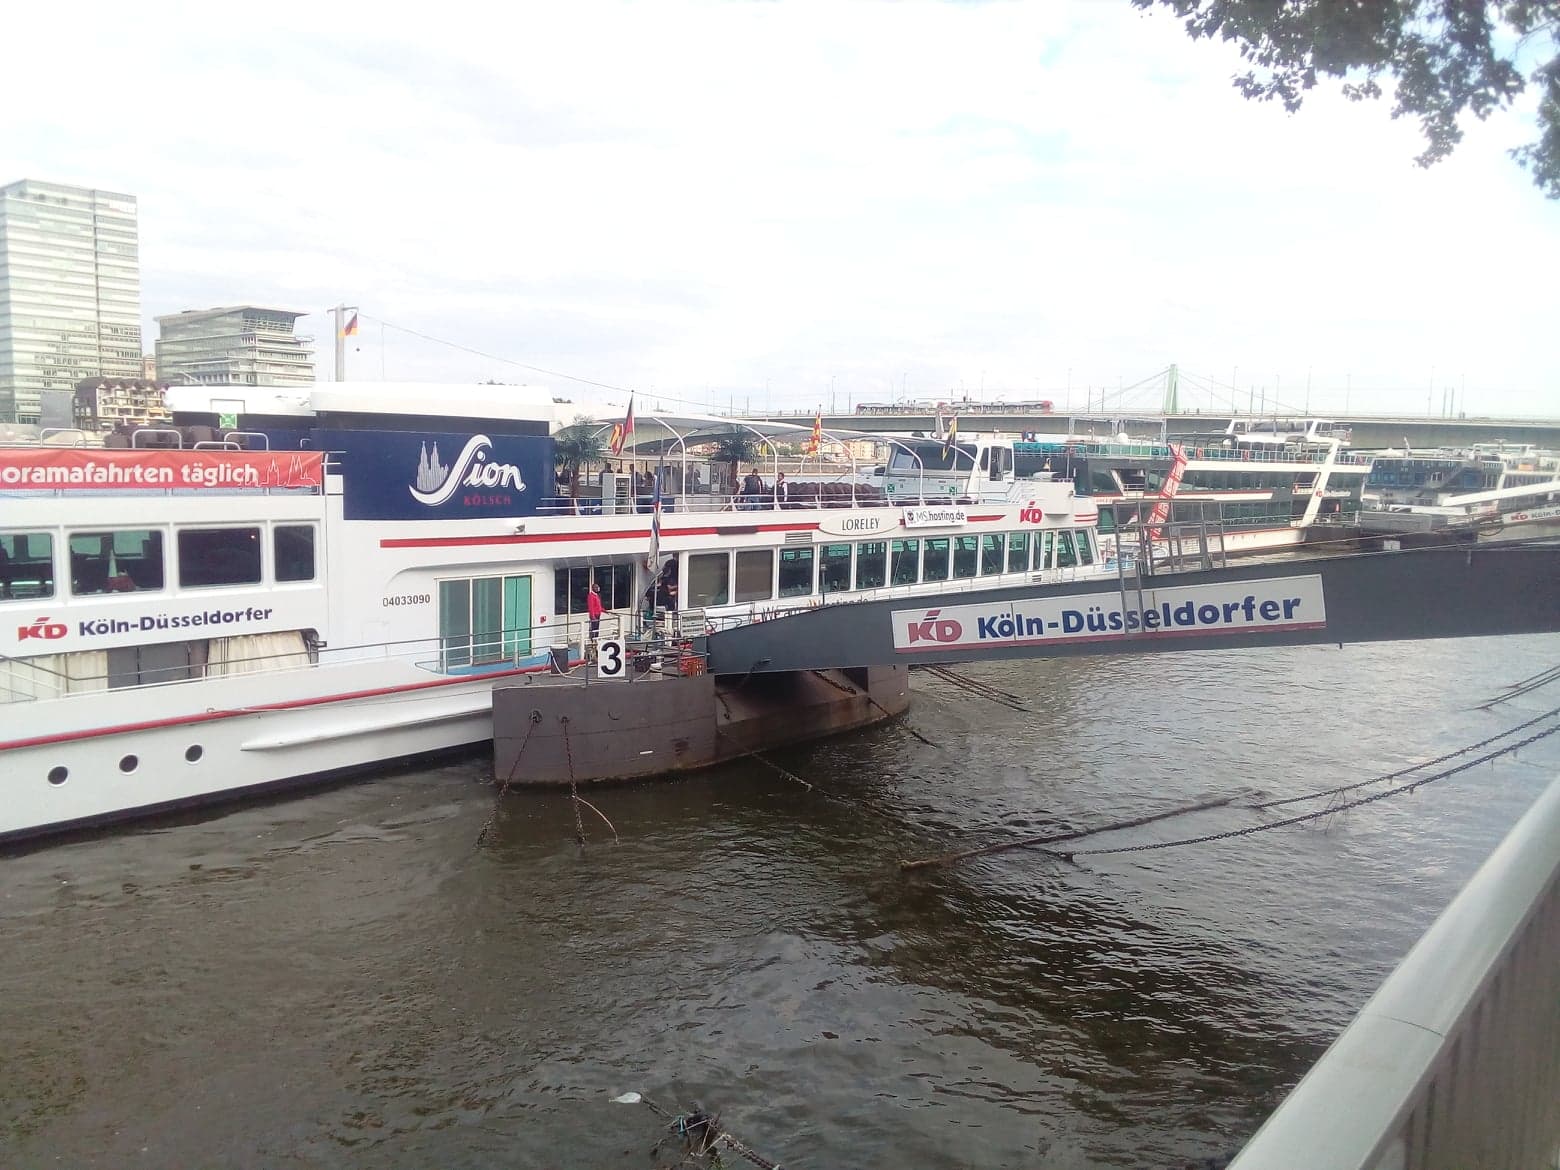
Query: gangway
x,y
1467,591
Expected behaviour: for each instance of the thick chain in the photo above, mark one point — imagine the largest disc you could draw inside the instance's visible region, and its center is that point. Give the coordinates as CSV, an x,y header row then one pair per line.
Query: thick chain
x,y
503,789
1472,747
1326,812
574,789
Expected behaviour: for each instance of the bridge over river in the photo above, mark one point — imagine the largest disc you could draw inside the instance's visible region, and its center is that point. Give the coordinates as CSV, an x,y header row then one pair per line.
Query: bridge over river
x,y
1365,597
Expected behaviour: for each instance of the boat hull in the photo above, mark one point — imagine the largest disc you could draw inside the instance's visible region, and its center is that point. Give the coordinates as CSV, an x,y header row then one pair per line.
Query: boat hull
x,y
545,735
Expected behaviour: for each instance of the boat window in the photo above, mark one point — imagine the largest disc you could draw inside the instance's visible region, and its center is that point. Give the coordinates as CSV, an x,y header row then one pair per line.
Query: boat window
x,y
1018,552
1043,548
293,547
571,585
124,561
834,568
709,579
796,572
1085,547
26,565
1064,550
484,620
219,556
991,554
871,564
966,552
985,458
1107,520
755,575
936,564
906,561
914,457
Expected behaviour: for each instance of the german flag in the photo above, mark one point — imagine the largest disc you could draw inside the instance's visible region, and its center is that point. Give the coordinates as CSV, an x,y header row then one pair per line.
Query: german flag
x,y
351,327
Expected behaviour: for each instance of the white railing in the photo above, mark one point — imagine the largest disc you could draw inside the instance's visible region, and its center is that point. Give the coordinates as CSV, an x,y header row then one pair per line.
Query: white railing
x,y
1454,1064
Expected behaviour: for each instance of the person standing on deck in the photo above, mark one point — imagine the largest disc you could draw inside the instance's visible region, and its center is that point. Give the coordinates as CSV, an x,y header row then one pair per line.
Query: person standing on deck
x,y
593,609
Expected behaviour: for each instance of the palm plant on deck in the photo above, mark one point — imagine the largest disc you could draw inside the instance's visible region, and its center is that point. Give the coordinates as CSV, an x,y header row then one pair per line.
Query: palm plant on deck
x,y
576,447
734,450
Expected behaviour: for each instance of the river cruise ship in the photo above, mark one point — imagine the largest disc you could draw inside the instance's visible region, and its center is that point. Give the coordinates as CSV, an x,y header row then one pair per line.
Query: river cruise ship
x,y
284,586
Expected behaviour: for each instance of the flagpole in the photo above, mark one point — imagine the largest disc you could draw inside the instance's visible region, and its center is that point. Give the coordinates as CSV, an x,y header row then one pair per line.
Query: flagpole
x,y
341,339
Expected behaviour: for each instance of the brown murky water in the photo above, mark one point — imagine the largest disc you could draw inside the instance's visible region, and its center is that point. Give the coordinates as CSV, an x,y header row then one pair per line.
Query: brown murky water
x,y
345,979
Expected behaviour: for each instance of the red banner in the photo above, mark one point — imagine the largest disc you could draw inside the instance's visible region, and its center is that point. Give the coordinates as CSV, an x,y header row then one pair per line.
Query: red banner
x,y
92,469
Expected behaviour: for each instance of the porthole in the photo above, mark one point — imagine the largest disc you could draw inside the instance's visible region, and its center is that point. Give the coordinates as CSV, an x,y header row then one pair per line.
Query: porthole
x,y
129,764
194,752
58,775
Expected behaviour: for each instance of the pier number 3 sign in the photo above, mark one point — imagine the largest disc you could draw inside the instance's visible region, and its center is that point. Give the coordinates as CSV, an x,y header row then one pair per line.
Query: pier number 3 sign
x,y
610,662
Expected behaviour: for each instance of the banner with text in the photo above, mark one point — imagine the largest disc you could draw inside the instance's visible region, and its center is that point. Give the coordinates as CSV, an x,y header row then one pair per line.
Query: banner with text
x,y
92,469
1287,603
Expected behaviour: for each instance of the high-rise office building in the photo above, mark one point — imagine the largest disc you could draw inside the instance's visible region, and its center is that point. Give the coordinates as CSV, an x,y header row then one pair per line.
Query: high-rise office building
x,y
244,345
70,291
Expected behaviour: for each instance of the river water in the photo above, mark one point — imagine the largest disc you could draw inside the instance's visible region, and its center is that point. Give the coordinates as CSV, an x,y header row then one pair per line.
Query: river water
x,y
346,979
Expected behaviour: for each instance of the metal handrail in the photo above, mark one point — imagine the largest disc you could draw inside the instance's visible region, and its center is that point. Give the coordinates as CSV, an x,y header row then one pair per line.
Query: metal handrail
x,y
1455,1061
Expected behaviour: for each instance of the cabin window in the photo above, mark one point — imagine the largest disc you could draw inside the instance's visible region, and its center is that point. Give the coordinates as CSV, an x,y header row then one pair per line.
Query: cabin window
x,y
796,572
936,564
1085,547
991,555
1018,552
1044,545
124,561
570,587
906,561
755,575
484,620
293,548
871,564
966,556
1107,520
26,565
709,579
834,568
219,556
1065,557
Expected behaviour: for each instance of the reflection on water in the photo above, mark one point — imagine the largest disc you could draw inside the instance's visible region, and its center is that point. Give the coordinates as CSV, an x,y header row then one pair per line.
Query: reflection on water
x,y
347,980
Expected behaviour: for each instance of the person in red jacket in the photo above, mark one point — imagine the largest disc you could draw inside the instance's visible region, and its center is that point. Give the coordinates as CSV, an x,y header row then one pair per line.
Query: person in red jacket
x,y
593,609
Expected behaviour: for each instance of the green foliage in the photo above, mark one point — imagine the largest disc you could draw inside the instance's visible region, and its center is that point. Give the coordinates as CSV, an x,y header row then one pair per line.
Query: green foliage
x,y
1446,57
577,446
733,450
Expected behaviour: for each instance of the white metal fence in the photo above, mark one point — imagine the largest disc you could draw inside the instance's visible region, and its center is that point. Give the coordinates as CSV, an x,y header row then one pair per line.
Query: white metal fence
x,y
1454,1064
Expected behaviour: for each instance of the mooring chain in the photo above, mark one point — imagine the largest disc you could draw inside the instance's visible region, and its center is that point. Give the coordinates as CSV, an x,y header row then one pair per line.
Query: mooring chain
x,y
503,789
574,789
1452,755
1311,816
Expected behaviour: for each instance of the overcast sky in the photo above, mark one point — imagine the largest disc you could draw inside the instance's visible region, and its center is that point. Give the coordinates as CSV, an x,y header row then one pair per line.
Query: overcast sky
x,y
797,204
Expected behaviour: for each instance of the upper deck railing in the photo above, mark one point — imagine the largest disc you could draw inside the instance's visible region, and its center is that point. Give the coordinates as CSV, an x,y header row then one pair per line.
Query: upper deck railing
x,y
1455,1061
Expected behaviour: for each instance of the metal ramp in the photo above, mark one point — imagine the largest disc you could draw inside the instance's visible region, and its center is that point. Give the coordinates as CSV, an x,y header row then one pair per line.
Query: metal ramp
x,y
1468,591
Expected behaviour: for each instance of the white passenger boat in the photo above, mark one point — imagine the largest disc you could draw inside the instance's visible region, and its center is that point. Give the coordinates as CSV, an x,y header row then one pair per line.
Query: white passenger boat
x,y
1260,486
1487,492
181,620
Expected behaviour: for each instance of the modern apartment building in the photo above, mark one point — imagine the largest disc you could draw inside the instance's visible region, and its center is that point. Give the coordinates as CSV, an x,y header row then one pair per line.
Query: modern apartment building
x,y
244,345
70,291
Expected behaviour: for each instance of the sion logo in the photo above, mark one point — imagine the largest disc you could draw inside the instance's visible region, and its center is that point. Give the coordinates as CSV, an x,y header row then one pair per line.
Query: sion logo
x,y
41,628
930,629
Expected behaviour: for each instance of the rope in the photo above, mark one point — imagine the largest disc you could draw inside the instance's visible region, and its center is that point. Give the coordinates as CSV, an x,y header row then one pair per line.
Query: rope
x,y
1526,686
1311,816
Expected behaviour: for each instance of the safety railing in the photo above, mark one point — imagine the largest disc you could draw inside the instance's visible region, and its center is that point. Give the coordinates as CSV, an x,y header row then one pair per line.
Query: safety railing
x,y
1454,1063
